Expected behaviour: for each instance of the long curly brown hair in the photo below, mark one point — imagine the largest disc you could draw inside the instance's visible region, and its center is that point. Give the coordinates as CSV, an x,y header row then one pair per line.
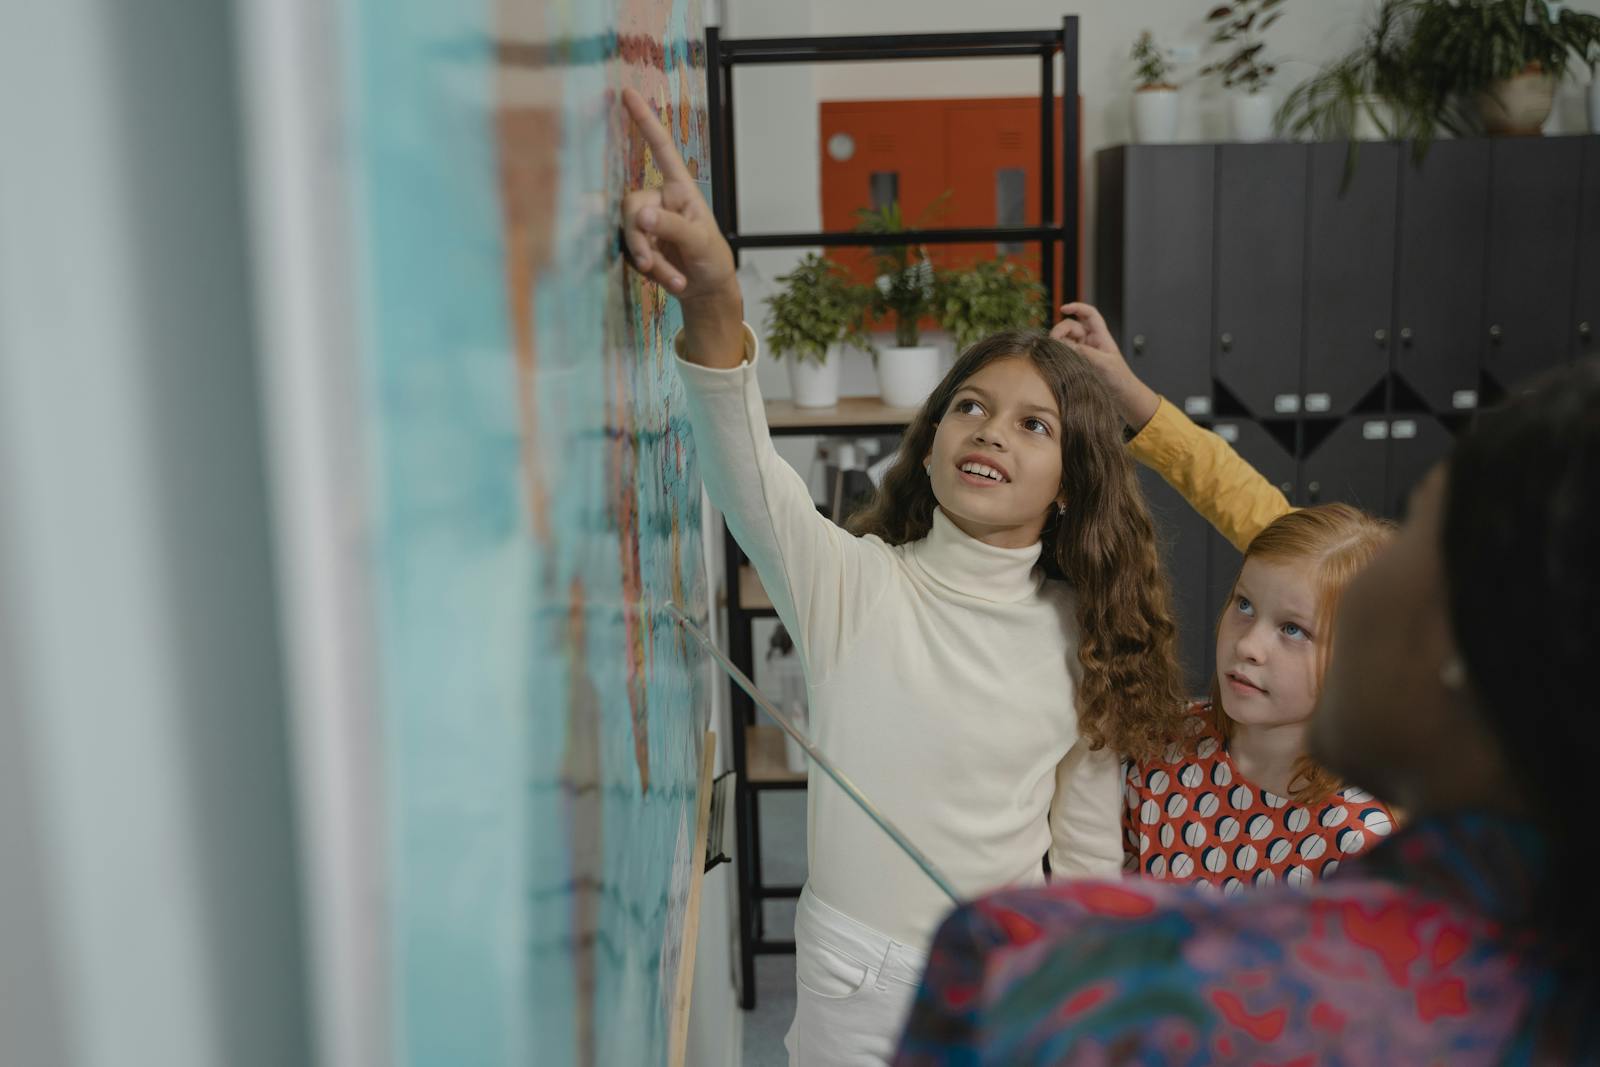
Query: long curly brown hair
x,y
1130,693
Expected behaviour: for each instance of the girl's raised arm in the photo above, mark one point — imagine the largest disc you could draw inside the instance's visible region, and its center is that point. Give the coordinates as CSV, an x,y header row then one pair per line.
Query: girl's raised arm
x,y
671,237
823,582
1230,494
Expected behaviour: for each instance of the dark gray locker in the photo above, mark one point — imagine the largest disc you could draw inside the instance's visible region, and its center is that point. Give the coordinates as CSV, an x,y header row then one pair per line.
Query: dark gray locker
x,y
1260,274
1154,265
1350,240
1263,452
1416,444
1439,274
1533,254
1182,534
1350,465
1586,295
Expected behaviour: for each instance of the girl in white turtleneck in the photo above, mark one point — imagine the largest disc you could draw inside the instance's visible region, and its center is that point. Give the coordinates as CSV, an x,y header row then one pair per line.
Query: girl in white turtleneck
x,y
979,647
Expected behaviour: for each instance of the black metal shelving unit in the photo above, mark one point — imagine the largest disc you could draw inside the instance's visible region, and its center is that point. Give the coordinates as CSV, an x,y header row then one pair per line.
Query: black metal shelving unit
x,y
757,766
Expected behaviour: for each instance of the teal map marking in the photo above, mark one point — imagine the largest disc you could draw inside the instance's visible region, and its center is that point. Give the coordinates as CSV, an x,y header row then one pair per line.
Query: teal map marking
x,y
537,507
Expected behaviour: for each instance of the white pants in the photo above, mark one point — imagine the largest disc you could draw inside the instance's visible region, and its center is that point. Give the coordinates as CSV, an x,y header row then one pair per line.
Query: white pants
x,y
853,989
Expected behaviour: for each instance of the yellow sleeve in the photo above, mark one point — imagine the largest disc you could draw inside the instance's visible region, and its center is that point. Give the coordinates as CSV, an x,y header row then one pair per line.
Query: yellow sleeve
x,y
1231,495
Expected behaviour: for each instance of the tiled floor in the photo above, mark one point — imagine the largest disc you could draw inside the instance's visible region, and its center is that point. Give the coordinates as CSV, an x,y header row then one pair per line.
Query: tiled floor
x,y
783,861
765,1026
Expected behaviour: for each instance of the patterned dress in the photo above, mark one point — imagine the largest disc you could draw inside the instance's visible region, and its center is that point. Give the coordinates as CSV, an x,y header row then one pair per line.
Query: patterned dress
x,y
1422,951
1190,816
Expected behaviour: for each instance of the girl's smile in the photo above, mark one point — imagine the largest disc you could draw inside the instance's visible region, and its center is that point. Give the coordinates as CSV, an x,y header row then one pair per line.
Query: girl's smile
x,y
996,456
982,471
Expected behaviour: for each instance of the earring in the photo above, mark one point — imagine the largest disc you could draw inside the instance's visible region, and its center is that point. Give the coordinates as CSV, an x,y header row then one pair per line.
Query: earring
x,y
1452,674
1061,508
927,466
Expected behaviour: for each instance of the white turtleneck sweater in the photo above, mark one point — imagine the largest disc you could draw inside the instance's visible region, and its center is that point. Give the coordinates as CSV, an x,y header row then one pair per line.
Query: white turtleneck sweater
x,y
940,677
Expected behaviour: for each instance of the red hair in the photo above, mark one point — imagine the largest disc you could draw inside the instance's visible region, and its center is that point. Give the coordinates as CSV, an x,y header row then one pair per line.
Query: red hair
x,y
1339,540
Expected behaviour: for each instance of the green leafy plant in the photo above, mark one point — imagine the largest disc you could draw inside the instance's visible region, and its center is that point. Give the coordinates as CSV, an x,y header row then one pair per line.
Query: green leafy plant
x,y
1242,23
907,283
1376,80
993,295
1151,62
818,306
1421,64
1460,49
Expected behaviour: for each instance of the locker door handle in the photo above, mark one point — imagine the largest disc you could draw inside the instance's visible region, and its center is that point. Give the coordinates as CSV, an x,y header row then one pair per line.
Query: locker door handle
x,y
1495,333
1138,344
1406,335
1314,488
1286,488
1584,330
1381,336
1227,342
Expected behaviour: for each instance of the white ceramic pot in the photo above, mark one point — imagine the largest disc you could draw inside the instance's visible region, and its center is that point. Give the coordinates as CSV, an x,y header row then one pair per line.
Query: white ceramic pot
x,y
813,384
793,755
1374,119
1518,105
1594,105
1251,116
1155,115
907,375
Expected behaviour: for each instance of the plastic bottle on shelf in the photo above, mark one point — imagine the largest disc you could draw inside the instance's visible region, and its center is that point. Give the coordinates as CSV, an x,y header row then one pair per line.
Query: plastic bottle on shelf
x,y
788,681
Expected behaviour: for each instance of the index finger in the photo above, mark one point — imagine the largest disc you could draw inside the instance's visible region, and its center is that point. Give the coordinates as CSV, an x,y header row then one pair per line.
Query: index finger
x,y
656,136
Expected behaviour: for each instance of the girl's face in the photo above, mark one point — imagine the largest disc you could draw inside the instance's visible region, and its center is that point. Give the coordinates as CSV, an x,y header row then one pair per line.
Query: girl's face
x,y
1267,644
996,457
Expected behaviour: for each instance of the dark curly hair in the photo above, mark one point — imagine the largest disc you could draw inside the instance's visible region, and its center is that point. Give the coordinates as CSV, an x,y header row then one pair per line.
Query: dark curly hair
x,y
1521,522
1130,695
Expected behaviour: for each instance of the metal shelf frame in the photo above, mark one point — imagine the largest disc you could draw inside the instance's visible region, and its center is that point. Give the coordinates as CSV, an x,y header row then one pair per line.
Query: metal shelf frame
x,y
1057,147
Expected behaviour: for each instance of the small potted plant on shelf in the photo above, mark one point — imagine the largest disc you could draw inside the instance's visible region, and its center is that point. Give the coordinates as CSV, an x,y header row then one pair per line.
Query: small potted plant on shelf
x,y
1245,71
1493,65
818,310
904,293
991,296
1155,98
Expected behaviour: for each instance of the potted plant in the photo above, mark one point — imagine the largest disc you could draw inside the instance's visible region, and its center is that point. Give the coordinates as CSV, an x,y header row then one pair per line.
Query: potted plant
x,y
1591,59
1493,65
1155,99
1369,94
1241,24
993,295
817,309
905,293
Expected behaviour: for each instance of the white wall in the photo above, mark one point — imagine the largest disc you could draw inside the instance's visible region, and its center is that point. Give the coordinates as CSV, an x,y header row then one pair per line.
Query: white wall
x,y
141,682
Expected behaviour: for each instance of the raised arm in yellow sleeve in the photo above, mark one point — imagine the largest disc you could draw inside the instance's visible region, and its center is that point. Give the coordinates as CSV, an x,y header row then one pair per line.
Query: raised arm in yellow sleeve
x,y
1227,491
1232,495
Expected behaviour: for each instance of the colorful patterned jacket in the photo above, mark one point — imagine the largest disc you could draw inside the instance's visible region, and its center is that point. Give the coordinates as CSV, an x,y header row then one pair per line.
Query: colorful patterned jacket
x,y
1419,952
